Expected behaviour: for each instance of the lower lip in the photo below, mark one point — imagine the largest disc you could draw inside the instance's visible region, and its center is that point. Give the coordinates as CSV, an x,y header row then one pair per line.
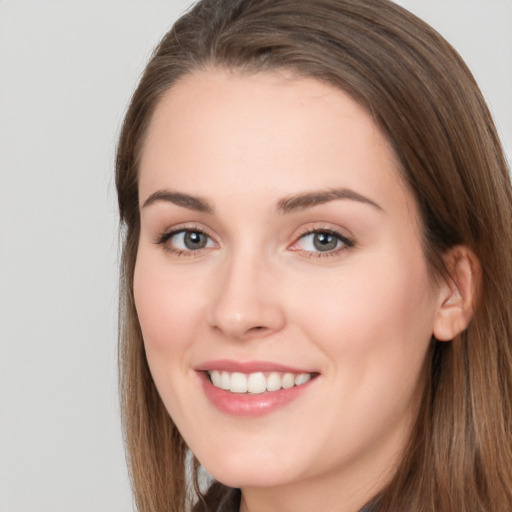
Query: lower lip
x,y
247,404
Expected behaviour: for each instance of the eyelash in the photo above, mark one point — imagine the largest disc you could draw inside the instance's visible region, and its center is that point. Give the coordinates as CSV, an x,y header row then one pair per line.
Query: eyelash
x,y
346,242
167,235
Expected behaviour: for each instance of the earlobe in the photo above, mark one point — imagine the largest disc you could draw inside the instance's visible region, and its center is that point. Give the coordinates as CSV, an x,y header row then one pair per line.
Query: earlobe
x,y
458,293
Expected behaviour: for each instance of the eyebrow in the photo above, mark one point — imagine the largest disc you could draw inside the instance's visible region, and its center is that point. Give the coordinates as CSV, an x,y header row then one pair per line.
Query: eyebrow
x,y
285,205
178,198
315,198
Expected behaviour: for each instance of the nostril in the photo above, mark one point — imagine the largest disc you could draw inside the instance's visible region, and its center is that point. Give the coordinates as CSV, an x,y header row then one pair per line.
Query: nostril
x,y
250,318
257,330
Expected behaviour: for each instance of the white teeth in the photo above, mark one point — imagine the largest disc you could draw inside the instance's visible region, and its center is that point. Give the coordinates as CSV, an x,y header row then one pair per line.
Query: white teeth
x,y
225,381
257,382
302,378
216,378
273,382
288,380
238,383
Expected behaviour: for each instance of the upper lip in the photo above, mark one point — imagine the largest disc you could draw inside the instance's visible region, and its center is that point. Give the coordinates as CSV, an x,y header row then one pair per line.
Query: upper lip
x,y
229,365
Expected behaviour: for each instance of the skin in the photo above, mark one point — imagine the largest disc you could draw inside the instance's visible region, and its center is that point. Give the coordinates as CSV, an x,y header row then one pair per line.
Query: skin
x,y
361,316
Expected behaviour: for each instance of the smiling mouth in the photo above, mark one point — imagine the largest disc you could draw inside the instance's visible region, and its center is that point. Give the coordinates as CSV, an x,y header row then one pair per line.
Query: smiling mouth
x,y
257,382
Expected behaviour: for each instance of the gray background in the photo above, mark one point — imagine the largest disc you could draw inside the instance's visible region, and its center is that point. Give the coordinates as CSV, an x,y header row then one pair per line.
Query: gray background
x,y
67,69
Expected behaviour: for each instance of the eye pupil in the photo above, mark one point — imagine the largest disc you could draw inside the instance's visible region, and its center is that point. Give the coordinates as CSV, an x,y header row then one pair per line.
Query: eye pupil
x,y
325,241
195,240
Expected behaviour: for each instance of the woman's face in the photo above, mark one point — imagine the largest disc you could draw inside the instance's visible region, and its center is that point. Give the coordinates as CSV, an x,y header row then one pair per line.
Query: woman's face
x,y
279,247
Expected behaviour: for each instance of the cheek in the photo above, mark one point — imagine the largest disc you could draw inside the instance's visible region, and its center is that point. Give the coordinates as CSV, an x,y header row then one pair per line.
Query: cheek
x,y
371,313
167,305
375,333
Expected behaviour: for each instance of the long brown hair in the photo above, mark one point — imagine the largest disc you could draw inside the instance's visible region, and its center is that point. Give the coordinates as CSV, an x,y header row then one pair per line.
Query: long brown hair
x,y
425,100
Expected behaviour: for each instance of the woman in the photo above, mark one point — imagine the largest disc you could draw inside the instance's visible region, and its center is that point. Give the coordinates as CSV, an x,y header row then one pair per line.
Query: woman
x,y
316,271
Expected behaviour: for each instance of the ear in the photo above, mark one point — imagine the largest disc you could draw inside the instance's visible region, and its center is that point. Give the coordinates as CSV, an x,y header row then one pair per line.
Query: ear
x,y
458,293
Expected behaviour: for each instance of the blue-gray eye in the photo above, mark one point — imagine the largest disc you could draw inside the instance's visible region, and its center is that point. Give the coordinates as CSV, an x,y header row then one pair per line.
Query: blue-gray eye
x,y
189,240
321,241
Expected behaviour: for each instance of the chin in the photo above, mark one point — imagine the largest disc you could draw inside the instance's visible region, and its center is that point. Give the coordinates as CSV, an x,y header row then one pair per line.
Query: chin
x,y
241,471
251,480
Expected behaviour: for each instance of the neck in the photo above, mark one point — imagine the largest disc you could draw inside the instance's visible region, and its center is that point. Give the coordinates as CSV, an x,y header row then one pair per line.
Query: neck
x,y
322,493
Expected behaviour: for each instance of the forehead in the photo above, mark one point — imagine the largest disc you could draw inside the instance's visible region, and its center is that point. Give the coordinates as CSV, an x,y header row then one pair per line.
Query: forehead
x,y
251,132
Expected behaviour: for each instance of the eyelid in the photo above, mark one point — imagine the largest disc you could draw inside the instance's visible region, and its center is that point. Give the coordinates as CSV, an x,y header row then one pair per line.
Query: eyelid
x,y
347,241
164,236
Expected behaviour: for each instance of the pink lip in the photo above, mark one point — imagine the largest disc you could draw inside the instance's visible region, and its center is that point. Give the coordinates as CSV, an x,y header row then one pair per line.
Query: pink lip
x,y
246,404
228,365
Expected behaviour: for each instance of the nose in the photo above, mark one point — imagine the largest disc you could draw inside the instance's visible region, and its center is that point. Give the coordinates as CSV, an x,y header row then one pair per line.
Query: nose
x,y
246,302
